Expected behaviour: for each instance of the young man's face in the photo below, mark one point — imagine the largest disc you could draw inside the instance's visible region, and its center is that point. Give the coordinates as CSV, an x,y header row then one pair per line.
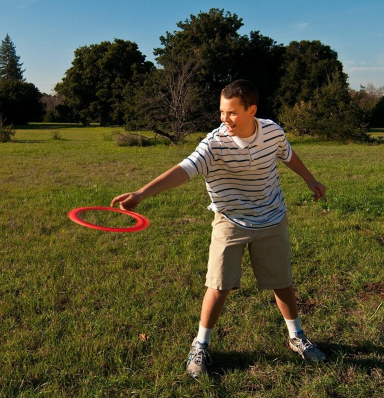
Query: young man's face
x,y
239,122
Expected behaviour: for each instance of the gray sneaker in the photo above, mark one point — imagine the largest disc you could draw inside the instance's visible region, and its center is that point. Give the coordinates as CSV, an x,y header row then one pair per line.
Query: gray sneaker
x,y
305,348
198,359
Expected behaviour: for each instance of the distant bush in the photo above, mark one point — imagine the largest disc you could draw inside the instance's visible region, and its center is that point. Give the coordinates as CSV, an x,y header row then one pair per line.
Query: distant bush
x,y
56,135
6,132
132,140
129,139
332,114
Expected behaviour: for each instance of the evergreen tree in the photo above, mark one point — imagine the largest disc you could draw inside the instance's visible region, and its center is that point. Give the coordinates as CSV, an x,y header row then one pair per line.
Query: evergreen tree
x,y
10,66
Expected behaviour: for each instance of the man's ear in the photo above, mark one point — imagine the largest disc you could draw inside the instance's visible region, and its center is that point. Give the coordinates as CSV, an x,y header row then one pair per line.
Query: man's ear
x,y
252,110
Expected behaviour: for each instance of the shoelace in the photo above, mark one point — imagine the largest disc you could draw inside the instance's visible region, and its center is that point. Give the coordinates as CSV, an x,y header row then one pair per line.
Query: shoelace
x,y
305,343
199,354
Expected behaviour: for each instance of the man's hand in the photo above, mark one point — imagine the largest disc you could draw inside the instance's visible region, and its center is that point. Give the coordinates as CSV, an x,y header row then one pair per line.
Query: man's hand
x,y
127,201
318,189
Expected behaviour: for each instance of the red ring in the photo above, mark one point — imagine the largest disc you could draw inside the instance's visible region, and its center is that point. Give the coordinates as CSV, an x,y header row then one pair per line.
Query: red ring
x,y
141,221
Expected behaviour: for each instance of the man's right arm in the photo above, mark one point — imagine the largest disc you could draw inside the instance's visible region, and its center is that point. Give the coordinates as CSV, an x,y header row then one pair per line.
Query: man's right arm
x,y
168,180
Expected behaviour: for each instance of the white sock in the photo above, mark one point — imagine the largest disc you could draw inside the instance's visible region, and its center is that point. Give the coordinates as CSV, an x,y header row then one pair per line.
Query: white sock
x,y
293,326
204,335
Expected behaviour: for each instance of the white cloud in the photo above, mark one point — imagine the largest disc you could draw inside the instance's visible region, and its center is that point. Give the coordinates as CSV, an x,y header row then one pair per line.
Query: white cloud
x,y
300,27
364,69
23,4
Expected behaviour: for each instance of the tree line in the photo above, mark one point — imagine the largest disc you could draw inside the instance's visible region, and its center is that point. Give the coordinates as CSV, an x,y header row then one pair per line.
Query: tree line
x,y
301,85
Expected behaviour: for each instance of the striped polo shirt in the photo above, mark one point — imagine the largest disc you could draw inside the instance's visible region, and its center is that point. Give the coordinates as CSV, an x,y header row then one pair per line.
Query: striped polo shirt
x,y
241,177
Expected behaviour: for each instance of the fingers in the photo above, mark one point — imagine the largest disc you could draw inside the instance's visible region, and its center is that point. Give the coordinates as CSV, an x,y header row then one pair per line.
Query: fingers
x,y
118,199
126,201
126,206
319,193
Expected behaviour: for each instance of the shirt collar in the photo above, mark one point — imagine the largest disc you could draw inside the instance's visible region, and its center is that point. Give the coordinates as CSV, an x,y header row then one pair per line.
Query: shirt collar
x,y
257,138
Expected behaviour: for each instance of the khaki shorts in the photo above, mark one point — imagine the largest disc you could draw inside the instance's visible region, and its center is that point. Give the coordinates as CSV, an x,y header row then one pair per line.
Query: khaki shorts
x,y
269,251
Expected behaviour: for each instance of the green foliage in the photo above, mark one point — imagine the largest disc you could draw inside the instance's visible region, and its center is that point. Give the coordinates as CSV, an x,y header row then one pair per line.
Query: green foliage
x,y
132,140
377,117
55,110
20,102
111,83
300,120
332,114
6,131
224,55
94,85
56,135
214,39
10,66
170,102
307,67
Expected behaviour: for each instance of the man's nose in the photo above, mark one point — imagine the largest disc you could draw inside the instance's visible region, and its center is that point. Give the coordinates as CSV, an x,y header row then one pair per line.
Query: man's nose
x,y
225,117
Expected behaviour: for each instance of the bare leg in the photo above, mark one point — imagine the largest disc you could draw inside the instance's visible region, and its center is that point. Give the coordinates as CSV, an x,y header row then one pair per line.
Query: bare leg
x,y
286,301
213,304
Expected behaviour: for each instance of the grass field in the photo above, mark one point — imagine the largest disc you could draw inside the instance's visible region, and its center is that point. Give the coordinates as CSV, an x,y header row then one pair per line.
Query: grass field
x,y
86,313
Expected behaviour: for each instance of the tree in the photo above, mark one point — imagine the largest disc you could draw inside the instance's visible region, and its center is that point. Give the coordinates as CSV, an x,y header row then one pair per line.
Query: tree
x,y
377,116
370,100
331,114
169,102
225,55
10,66
308,65
216,45
213,38
19,102
50,105
261,63
93,87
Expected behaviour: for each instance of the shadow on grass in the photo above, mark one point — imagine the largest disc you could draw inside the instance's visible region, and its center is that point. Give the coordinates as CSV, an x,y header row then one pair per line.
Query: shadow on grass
x,y
28,141
48,126
37,141
366,357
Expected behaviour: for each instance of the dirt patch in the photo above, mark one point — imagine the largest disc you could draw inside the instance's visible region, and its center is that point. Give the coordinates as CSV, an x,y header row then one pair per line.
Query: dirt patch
x,y
374,287
372,290
307,306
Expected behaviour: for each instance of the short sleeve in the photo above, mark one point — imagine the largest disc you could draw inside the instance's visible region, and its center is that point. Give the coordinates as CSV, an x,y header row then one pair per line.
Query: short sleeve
x,y
284,151
198,163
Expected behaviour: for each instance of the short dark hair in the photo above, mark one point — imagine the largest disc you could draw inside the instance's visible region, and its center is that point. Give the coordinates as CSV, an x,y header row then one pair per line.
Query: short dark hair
x,y
244,90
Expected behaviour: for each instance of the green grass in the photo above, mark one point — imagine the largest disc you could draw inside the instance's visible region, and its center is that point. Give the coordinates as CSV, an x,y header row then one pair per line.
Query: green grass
x,y
76,302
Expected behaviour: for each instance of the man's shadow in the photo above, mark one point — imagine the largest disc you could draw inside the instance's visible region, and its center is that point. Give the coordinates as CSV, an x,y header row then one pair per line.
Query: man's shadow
x,y
366,356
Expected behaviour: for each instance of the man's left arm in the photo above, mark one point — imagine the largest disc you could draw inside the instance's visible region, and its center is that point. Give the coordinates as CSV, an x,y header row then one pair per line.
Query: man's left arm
x,y
296,165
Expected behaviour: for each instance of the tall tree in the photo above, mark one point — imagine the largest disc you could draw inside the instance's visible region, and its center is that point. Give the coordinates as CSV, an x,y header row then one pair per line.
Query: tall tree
x,y
10,66
93,87
169,101
308,66
225,55
261,63
214,41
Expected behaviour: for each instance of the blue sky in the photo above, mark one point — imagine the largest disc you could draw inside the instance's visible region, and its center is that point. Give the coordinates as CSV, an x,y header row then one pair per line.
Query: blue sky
x,y
47,32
